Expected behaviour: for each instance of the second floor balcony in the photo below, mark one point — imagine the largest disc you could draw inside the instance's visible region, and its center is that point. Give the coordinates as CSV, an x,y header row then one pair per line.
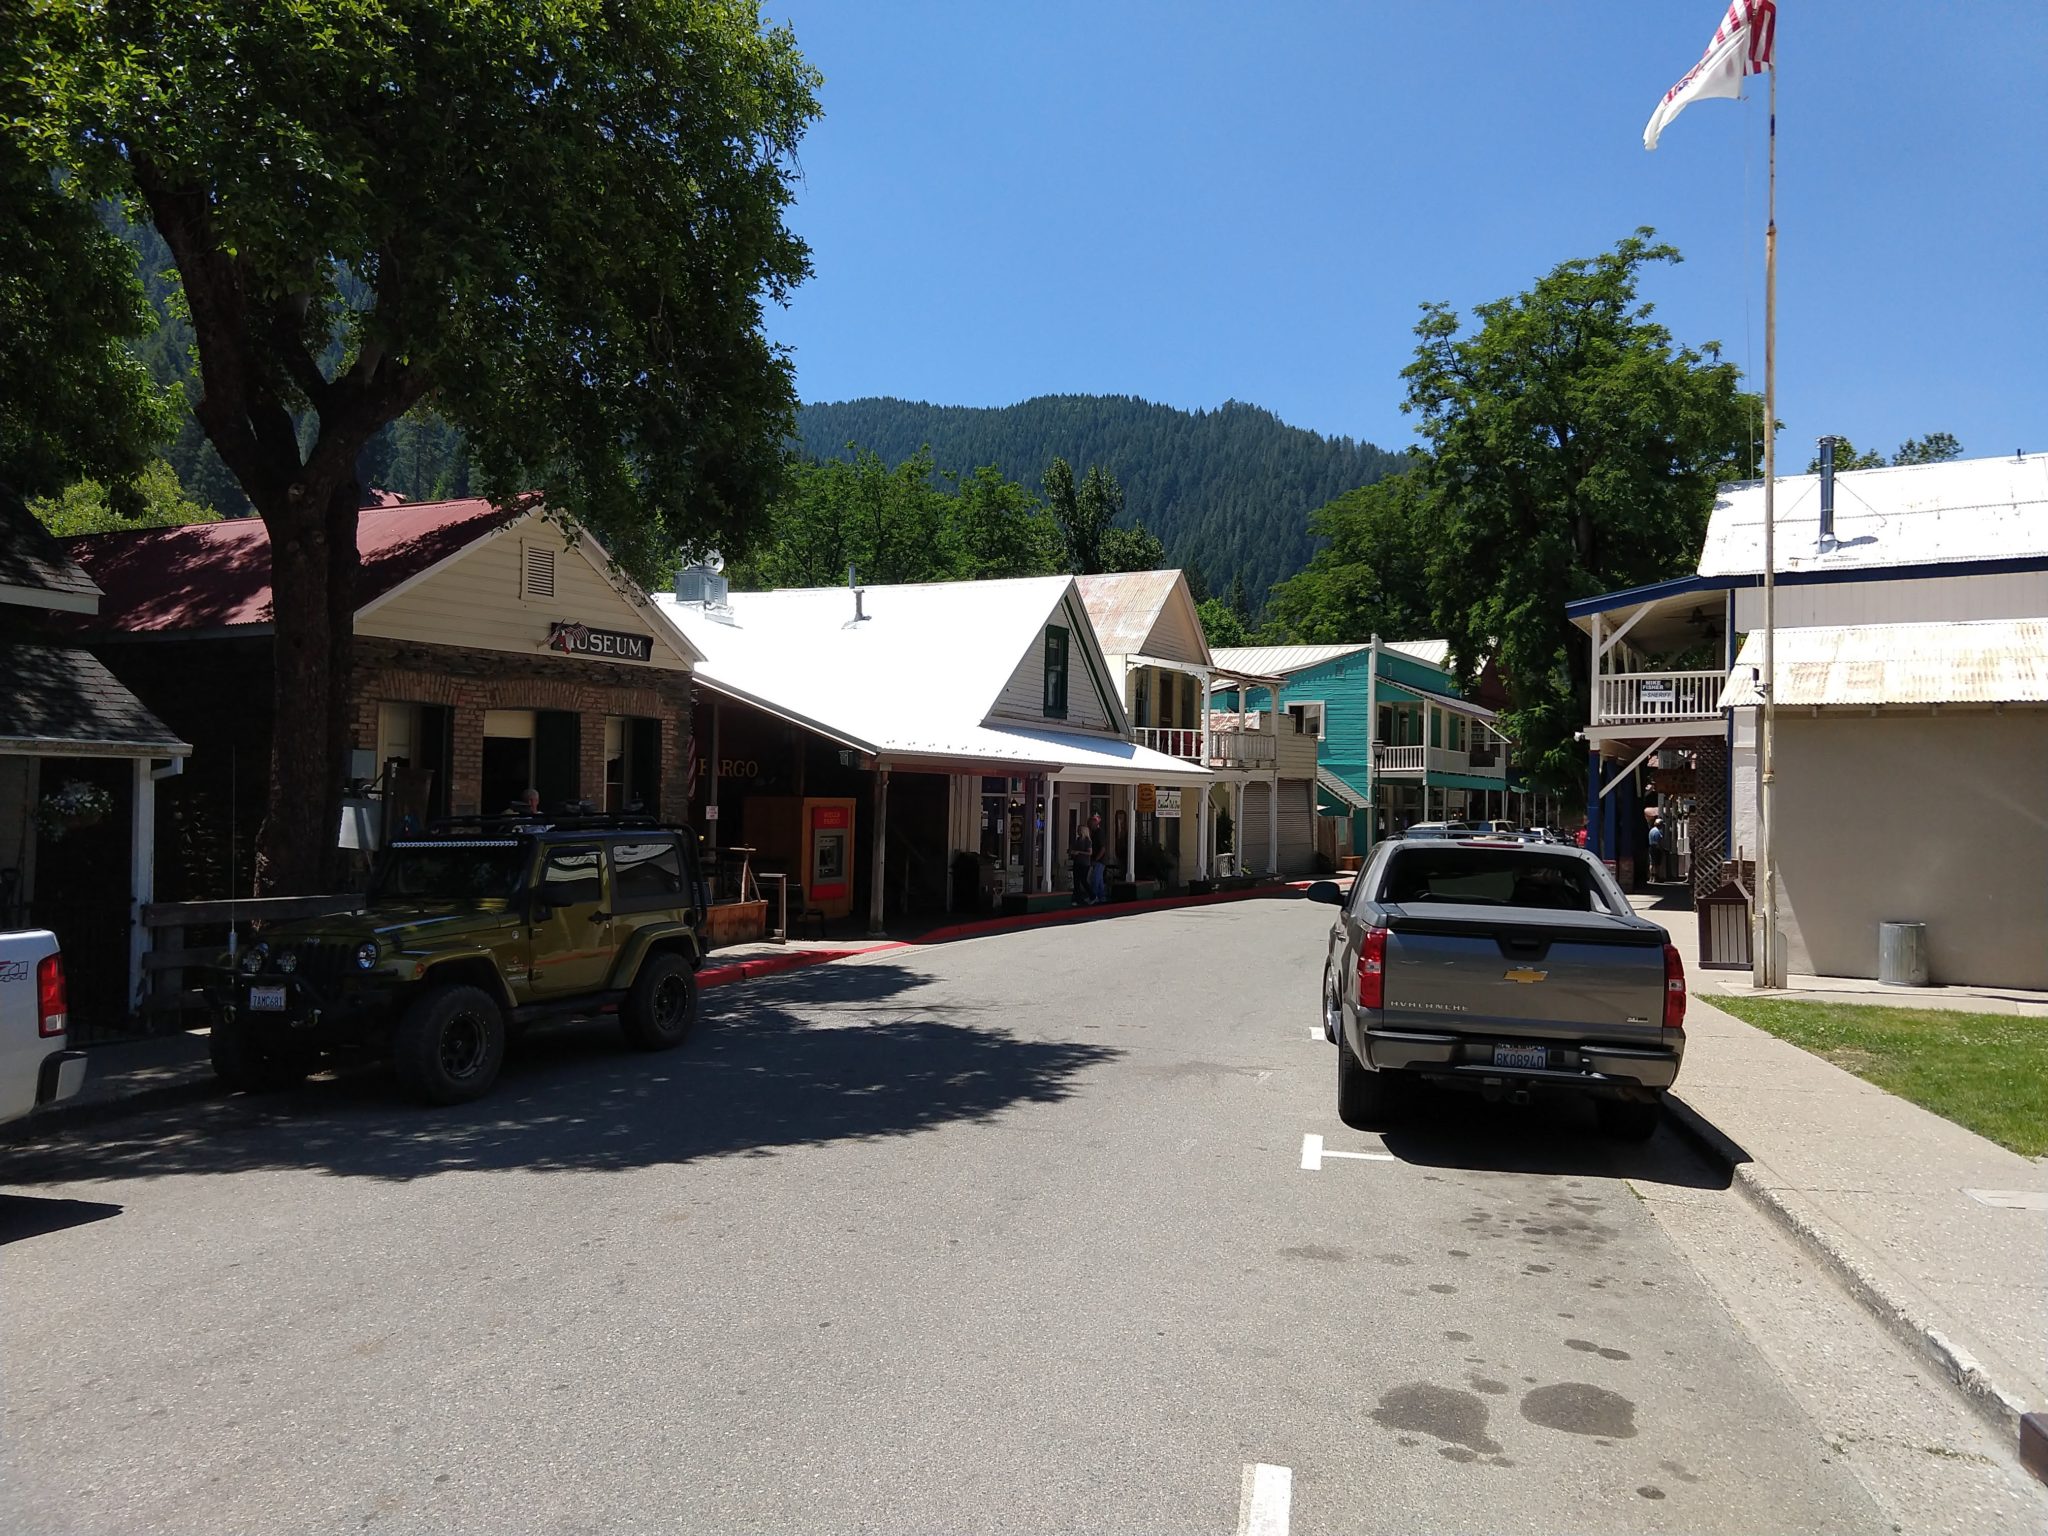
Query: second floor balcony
x,y
1487,759
1251,748
1658,698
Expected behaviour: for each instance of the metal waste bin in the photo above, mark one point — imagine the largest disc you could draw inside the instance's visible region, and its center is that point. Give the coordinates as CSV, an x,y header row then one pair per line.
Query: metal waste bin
x,y
1902,954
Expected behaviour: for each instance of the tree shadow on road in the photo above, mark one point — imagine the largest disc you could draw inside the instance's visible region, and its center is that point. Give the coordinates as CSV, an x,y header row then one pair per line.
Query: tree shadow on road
x,y
1554,1134
836,1053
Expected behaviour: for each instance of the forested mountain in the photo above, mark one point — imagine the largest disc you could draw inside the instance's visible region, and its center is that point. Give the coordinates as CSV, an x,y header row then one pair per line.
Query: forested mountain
x,y
1228,491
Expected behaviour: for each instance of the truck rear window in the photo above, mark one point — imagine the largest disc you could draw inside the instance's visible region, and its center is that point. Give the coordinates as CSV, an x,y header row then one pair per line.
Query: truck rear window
x,y
1490,877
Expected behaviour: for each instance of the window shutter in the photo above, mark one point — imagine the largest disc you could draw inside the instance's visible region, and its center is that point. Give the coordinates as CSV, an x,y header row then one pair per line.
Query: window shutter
x,y
538,578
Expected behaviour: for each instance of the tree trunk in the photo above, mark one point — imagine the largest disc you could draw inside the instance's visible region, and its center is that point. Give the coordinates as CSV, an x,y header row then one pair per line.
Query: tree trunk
x,y
312,574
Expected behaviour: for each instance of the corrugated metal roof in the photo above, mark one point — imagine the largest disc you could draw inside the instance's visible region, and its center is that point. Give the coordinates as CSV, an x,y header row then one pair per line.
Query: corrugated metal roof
x,y
1985,661
1279,660
1916,514
217,575
919,675
1125,606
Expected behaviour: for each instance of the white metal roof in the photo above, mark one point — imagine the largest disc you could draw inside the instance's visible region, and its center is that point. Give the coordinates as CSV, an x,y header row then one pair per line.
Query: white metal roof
x,y
1986,661
918,676
1915,514
1278,660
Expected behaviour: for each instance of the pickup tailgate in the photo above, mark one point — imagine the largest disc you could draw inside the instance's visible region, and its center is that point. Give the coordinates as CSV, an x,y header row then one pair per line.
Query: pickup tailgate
x,y
1527,973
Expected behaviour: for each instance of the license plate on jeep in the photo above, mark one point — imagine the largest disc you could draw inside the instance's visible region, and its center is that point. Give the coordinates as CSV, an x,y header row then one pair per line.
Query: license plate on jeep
x,y
1523,1056
266,999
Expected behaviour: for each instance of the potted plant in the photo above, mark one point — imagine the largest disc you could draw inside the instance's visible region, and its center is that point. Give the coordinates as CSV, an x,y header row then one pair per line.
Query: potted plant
x,y
70,806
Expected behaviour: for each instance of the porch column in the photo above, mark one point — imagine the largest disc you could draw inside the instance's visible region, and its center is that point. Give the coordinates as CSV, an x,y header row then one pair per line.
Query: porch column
x,y
1131,834
1206,743
1051,822
1237,823
1202,828
141,877
881,850
1273,824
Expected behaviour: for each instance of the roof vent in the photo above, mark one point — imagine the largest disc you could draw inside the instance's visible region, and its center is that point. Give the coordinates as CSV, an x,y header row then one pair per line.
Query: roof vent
x,y
859,593
537,576
703,583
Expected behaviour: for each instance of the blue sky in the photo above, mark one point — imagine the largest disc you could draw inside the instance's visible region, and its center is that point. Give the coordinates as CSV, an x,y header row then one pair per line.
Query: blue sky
x,y
1196,202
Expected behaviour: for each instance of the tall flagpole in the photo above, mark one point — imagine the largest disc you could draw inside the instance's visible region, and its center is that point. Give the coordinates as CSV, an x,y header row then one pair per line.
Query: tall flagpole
x,y
1767,969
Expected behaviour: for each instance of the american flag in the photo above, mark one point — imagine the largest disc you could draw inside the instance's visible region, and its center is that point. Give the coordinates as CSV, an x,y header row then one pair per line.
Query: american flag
x,y
1741,47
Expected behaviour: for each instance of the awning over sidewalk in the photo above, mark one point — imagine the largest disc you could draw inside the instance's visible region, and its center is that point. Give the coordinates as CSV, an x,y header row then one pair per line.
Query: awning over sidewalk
x,y
1337,792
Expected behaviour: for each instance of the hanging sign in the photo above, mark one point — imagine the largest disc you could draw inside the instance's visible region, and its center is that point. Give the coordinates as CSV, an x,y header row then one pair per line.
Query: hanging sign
x,y
574,639
1654,688
1147,800
1169,804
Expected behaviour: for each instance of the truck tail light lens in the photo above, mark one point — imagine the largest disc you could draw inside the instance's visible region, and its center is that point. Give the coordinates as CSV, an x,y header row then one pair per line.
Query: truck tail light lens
x,y
1372,969
52,1000
1674,988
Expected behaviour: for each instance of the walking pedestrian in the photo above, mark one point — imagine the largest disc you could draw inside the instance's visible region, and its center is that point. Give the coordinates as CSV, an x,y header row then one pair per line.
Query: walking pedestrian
x,y
1657,863
1080,858
1098,854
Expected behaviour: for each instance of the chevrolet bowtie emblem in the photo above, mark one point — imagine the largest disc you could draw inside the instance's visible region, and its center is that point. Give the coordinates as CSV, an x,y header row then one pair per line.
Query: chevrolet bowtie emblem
x,y
1522,975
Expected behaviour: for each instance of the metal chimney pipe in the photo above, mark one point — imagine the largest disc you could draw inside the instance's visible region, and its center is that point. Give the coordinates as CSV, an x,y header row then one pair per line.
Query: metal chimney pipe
x,y
1827,493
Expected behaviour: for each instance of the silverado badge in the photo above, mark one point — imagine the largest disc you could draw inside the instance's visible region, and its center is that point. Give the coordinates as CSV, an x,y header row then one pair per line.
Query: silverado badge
x,y
1525,976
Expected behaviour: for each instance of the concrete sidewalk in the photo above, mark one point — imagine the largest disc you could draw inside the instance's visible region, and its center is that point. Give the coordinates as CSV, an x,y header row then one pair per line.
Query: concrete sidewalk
x,y
1939,1232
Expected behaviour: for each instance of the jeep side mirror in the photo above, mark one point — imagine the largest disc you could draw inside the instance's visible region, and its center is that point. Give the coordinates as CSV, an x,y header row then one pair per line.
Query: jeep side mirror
x,y
537,909
1327,892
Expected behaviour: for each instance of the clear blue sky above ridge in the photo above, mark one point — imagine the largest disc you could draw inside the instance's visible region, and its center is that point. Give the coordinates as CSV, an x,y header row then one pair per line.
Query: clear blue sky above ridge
x,y
1196,202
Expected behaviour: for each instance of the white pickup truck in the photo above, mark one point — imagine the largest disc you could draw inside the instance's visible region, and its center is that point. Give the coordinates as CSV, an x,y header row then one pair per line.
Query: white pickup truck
x,y
36,1066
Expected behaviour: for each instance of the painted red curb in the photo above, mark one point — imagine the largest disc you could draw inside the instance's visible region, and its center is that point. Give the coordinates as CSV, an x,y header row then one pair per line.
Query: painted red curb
x,y
772,965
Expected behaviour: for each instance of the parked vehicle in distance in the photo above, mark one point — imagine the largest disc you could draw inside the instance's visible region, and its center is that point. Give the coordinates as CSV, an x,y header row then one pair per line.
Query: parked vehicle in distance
x,y
37,1065
1503,969
467,935
1428,829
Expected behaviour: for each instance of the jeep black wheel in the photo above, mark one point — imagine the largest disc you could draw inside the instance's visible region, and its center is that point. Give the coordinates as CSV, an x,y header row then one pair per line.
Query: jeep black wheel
x,y
245,1066
449,1045
662,1007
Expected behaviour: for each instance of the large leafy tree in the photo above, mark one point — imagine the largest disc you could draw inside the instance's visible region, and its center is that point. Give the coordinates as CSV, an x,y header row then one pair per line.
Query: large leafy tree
x,y
1574,448
1087,516
1372,574
553,222
74,399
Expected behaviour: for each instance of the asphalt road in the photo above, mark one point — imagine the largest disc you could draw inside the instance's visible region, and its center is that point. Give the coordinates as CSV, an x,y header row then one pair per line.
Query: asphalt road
x,y
1007,1235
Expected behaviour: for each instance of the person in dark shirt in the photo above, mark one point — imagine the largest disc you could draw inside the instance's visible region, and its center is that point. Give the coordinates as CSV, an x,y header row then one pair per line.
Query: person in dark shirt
x,y
1098,851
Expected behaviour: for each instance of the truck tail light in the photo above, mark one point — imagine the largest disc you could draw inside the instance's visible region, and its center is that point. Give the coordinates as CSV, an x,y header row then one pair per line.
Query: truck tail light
x,y
52,1000
1674,988
1372,969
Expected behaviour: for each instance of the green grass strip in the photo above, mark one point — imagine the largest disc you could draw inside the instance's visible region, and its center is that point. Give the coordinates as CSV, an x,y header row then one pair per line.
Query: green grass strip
x,y
1988,1072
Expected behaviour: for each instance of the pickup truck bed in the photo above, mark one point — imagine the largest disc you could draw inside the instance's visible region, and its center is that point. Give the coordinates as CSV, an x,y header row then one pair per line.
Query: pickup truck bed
x,y
37,1066
1502,967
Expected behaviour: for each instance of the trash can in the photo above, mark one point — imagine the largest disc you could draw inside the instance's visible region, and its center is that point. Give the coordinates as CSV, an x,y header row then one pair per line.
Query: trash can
x,y
1902,954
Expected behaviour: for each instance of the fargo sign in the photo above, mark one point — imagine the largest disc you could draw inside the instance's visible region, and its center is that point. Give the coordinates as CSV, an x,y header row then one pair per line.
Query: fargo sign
x,y
575,639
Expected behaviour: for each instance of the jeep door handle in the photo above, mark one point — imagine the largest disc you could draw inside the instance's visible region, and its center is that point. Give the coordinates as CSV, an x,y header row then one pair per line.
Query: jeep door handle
x,y
600,916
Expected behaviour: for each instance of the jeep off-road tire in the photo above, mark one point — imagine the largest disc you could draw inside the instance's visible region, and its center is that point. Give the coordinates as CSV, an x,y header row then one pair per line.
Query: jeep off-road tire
x,y
1365,1099
243,1064
449,1045
661,1009
1629,1119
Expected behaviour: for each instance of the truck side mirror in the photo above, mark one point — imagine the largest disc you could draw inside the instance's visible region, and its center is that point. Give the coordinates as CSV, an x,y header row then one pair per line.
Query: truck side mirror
x,y
1327,892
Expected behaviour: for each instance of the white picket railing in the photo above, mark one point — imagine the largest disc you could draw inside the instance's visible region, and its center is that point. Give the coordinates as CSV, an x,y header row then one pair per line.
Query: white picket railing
x,y
1183,742
1650,698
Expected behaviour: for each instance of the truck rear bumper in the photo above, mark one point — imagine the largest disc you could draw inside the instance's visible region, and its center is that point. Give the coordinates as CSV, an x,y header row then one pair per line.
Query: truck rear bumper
x,y
1570,1064
61,1075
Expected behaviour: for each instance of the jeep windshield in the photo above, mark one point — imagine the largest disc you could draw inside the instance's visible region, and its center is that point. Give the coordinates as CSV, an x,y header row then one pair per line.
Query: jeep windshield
x,y
483,869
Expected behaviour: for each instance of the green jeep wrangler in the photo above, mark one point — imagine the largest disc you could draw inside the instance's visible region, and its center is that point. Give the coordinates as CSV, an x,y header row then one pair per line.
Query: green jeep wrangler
x,y
466,935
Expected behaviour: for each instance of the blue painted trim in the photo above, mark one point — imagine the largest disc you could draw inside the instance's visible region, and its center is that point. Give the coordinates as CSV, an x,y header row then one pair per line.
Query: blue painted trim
x,y
1681,586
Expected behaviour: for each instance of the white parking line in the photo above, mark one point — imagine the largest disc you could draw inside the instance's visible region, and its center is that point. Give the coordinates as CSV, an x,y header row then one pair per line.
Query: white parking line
x,y
1315,1032
1263,1500
1313,1152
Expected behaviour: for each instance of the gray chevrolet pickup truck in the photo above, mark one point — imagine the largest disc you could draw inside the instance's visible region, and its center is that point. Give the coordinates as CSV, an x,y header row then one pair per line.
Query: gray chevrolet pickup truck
x,y
1504,967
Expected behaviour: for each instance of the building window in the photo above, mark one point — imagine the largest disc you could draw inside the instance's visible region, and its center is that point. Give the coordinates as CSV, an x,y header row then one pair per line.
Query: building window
x,y
1056,672
1307,718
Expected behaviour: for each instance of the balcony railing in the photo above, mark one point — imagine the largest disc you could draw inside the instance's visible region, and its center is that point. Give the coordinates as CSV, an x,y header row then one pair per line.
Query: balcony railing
x,y
1243,749
1652,698
1487,760
1183,742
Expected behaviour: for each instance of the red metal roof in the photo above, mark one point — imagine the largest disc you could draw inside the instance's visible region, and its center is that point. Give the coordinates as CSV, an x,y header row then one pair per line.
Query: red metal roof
x,y
217,575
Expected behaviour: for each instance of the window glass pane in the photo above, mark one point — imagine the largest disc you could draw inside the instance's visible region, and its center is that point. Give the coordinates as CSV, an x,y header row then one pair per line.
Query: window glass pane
x,y
644,870
1489,877
572,877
